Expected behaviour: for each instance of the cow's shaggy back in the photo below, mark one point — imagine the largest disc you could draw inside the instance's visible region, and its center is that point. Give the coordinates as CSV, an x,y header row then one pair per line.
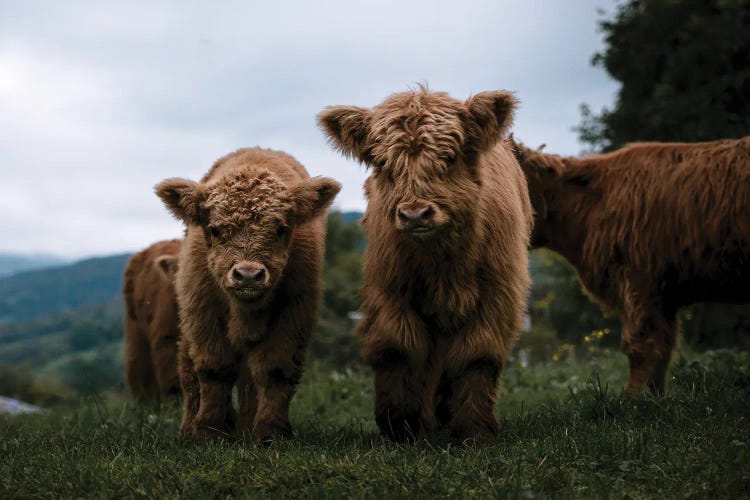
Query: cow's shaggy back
x,y
447,225
651,227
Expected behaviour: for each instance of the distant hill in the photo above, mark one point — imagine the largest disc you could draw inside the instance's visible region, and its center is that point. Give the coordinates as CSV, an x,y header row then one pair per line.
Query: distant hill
x,y
29,294
11,263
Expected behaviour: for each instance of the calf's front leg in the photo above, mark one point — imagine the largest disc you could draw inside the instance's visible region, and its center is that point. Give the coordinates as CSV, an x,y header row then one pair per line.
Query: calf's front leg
x,y
216,366
398,394
473,366
247,399
395,345
276,376
275,367
472,400
216,415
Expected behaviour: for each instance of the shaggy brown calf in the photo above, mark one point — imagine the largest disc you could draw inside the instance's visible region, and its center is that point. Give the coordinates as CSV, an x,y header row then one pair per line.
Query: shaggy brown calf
x,y
151,329
650,228
445,268
248,286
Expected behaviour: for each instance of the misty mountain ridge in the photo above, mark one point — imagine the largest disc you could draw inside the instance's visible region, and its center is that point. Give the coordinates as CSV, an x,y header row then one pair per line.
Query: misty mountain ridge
x,y
11,263
39,292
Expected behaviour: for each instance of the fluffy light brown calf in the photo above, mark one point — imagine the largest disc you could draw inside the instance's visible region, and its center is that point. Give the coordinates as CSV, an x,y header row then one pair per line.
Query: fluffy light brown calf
x,y
248,287
151,328
650,228
445,267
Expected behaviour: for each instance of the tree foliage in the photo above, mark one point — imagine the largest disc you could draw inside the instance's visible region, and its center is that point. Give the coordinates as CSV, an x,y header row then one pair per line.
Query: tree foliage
x,y
343,259
342,276
684,70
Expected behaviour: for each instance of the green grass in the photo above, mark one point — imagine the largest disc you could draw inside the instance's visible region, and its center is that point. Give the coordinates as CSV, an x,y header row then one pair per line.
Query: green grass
x,y
566,432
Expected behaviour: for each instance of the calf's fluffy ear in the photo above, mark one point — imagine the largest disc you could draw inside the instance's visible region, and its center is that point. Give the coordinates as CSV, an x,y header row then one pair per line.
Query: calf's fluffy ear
x,y
312,197
167,265
183,198
346,128
490,115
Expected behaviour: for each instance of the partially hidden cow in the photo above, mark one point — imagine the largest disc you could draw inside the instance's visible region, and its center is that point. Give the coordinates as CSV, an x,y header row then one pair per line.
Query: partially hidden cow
x,y
650,228
150,324
445,267
248,287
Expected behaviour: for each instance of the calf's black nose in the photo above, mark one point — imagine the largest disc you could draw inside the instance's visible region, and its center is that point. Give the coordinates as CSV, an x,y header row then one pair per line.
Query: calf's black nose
x,y
412,213
248,274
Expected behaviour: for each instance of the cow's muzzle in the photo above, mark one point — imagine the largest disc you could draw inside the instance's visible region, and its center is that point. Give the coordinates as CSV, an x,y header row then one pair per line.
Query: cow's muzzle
x,y
417,218
248,281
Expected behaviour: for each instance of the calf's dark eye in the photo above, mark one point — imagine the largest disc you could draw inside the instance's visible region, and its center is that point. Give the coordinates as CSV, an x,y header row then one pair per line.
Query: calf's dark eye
x,y
215,232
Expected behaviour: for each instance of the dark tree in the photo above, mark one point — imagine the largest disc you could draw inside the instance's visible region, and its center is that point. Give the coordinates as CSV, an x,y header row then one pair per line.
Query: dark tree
x,y
342,276
684,69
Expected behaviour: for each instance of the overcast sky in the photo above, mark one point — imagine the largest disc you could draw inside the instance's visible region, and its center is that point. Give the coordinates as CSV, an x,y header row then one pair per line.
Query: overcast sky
x,y
100,101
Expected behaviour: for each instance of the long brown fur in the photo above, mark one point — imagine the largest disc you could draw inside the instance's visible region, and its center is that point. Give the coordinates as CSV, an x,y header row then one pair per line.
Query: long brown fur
x,y
260,207
650,228
441,309
150,324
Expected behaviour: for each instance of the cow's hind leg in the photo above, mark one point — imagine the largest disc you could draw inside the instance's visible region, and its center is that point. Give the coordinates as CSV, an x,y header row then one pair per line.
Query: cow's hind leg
x,y
649,336
139,372
190,390
164,359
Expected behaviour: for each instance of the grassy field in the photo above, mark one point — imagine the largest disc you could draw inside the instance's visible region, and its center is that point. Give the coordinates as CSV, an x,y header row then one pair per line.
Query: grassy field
x,y
566,432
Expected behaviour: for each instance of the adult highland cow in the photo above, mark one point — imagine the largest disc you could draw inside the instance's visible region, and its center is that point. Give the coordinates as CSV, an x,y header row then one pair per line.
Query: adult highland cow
x,y
445,267
248,287
650,228
150,324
